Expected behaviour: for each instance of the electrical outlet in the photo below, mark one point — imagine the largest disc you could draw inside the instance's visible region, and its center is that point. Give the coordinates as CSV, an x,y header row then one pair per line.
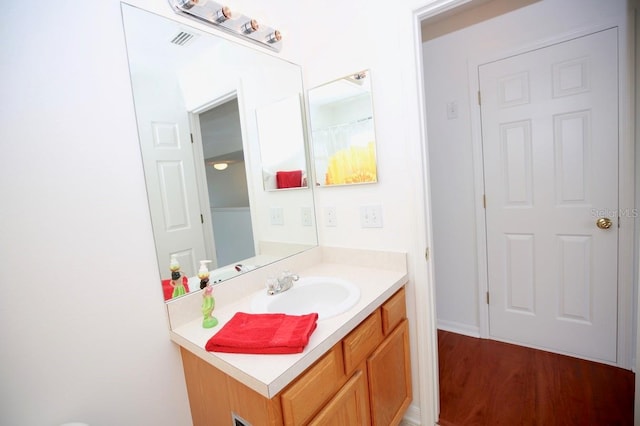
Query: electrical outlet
x,y
277,216
306,216
371,216
330,218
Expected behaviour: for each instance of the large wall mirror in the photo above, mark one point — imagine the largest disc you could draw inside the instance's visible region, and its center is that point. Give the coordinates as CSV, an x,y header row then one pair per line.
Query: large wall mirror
x,y
201,102
343,131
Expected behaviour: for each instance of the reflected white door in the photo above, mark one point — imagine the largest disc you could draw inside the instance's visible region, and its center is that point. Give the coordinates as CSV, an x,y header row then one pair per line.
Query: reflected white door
x,y
170,175
550,144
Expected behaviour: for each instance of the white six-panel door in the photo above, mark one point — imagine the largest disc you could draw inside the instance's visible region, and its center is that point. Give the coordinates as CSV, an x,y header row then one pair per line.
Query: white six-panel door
x,y
550,146
170,175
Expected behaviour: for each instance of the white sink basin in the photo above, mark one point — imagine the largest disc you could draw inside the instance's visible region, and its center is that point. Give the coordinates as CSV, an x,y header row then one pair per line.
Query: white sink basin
x,y
328,296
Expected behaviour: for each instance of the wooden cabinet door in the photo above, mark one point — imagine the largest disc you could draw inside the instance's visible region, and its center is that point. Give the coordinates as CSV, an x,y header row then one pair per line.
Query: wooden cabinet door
x,y
313,389
389,372
207,390
350,406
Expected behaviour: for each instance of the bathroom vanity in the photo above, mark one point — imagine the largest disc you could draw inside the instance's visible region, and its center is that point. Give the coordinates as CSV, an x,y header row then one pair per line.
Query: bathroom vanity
x,y
355,369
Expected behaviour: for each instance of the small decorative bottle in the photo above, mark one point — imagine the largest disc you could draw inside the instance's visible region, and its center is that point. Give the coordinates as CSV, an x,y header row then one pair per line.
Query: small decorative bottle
x,y
176,278
208,302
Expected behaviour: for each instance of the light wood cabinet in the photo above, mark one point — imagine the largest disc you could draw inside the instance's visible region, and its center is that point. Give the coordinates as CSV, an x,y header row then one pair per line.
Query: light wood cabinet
x,y
389,373
362,341
363,380
311,391
350,406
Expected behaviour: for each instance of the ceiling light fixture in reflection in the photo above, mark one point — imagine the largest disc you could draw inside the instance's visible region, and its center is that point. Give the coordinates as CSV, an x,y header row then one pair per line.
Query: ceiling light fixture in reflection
x,y
220,166
220,16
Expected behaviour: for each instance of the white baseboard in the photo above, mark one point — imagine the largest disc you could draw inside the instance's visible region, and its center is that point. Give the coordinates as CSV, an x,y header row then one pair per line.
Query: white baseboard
x,y
460,328
412,416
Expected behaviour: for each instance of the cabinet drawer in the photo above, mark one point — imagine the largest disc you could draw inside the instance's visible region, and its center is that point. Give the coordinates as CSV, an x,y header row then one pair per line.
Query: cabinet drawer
x,y
302,400
362,341
394,311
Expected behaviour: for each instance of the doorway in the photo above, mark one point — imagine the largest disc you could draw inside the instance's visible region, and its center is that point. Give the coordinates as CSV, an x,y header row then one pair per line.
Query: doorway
x,y
453,47
452,44
223,179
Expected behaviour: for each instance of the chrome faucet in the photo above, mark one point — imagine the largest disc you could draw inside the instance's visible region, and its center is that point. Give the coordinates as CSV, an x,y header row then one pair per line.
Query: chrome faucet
x,y
281,284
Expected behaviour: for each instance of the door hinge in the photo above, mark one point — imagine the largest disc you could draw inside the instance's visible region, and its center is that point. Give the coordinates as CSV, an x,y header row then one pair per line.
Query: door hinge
x,y
487,298
191,134
484,200
479,98
201,218
426,254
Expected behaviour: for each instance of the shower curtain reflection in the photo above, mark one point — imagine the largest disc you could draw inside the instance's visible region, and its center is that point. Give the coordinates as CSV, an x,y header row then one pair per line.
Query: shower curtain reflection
x,y
346,152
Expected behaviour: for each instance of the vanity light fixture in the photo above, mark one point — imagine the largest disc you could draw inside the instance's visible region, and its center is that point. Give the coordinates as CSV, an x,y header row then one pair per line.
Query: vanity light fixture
x,y
223,14
250,26
274,37
188,4
220,16
360,76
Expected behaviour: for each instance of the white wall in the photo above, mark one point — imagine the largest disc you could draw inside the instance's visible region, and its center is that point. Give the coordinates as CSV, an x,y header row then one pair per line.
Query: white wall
x,y
352,36
89,341
447,79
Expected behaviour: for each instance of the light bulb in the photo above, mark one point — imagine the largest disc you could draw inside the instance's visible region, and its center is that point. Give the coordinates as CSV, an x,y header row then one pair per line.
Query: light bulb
x,y
250,26
274,37
223,14
188,4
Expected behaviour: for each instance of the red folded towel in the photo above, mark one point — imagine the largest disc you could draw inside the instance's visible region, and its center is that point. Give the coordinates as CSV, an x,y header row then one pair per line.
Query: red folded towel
x,y
292,179
264,334
167,290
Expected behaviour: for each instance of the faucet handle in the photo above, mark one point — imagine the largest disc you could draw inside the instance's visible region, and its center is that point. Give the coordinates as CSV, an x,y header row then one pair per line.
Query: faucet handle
x,y
271,284
288,274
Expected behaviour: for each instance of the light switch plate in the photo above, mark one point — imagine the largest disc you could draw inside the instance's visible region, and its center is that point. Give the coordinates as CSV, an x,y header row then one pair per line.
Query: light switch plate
x,y
306,216
277,216
330,218
371,216
452,110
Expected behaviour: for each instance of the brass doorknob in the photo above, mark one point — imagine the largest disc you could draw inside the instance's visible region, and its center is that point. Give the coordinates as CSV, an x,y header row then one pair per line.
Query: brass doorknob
x,y
604,223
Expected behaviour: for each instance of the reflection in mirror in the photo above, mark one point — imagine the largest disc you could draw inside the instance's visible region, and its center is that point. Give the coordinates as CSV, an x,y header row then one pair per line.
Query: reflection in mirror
x,y
219,131
343,133
199,99
283,158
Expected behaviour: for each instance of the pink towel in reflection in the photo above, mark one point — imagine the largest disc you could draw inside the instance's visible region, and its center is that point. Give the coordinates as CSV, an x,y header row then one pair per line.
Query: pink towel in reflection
x,y
264,334
290,179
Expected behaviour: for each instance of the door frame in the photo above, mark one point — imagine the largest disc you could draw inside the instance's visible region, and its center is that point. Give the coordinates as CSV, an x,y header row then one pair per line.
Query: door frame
x,y
201,175
626,189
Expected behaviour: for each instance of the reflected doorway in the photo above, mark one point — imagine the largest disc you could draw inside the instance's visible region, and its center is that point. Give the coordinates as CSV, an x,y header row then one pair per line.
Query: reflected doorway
x,y
223,180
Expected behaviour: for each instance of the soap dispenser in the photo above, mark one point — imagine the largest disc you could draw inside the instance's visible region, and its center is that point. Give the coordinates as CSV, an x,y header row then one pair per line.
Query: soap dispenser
x,y
208,302
176,277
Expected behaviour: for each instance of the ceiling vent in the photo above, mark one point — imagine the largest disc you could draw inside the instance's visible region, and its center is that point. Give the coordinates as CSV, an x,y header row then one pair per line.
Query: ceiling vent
x,y
182,38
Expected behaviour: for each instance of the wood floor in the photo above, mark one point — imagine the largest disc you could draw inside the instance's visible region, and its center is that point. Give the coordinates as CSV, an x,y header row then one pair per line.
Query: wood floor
x,y
484,382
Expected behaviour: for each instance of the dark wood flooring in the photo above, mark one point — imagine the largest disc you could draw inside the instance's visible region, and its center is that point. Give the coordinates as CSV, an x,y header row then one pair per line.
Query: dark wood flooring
x,y
484,382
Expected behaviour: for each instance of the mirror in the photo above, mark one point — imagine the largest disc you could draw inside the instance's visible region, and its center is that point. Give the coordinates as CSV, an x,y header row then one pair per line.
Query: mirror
x,y
201,103
283,158
343,131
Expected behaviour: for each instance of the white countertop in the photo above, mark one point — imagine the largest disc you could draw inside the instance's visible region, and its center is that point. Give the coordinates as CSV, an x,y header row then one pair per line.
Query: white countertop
x,y
269,374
